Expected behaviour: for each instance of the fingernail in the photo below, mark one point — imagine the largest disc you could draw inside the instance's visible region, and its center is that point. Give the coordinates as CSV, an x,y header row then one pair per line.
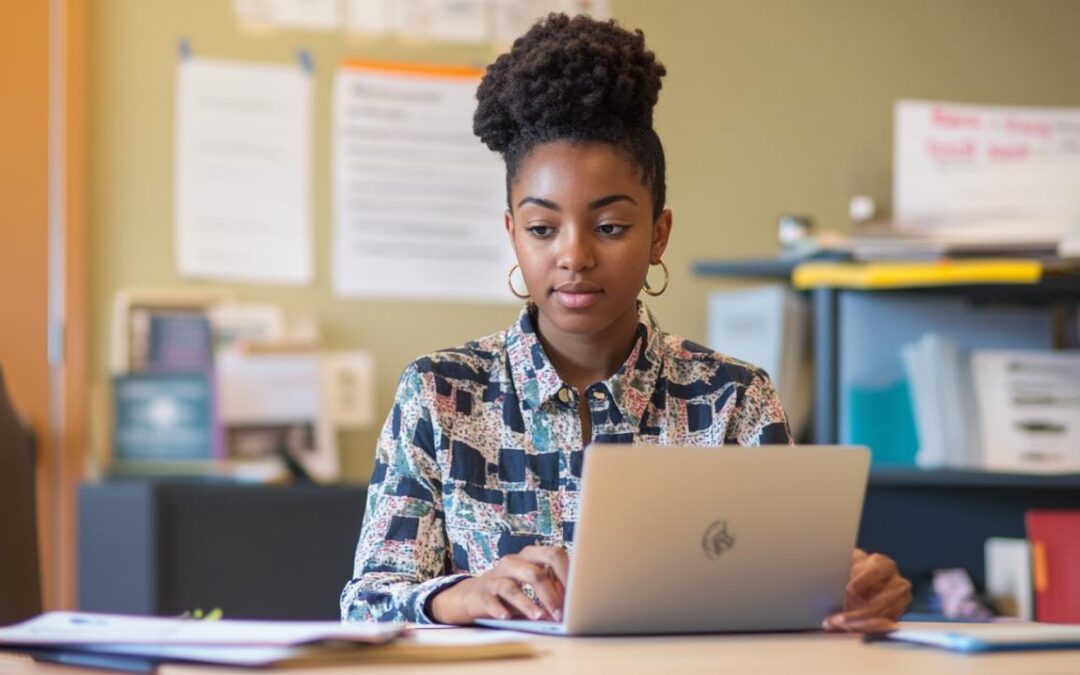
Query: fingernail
x,y
558,615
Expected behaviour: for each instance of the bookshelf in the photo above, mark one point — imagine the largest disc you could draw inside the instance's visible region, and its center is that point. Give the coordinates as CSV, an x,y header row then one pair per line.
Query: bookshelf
x,y
1055,285
925,519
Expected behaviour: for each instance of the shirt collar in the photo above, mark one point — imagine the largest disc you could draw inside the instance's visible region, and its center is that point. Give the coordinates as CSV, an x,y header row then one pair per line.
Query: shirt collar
x,y
536,380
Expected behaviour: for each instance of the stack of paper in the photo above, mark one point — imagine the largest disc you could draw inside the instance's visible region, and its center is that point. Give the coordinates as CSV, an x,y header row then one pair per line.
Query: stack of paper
x,y
131,643
940,385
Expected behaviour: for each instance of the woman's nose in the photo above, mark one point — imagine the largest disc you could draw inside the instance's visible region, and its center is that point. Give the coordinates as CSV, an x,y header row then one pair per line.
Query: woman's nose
x,y
575,251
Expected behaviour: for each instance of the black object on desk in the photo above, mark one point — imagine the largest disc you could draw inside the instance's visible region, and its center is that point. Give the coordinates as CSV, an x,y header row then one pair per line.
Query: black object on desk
x,y
260,552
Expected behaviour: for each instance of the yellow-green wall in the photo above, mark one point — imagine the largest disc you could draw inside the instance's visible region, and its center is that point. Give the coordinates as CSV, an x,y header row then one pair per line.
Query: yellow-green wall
x,y
770,106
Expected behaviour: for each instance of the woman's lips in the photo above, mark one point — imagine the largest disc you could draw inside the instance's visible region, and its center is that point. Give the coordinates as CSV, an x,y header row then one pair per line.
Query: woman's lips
x,y
576,299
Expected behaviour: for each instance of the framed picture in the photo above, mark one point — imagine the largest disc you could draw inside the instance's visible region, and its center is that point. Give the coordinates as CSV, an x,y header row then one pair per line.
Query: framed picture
x,y
163,330
273,415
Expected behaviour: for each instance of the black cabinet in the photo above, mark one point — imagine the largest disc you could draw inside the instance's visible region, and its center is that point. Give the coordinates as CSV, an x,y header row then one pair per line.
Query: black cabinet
x,y
162,548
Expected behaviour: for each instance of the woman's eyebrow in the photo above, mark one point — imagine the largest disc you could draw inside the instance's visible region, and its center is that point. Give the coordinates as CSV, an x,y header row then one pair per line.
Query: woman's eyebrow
x,y
610,199
540,202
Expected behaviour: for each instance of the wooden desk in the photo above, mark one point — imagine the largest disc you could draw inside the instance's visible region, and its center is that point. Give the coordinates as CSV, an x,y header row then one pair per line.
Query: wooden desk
x,y
793,653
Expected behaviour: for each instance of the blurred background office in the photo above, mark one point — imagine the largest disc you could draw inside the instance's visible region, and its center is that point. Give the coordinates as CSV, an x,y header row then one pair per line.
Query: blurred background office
x,y
260,316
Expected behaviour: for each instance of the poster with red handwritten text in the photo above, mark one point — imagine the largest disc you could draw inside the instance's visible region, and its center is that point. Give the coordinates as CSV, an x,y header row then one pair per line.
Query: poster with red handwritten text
x,y
987,173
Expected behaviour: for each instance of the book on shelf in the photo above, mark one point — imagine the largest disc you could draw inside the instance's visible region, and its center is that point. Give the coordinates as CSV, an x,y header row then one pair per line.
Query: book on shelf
x,y
879,399
941,393
1055,549
164,421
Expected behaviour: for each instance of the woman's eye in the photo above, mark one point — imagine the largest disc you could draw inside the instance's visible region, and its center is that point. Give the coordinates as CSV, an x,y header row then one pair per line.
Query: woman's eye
x,y
540,230
610,228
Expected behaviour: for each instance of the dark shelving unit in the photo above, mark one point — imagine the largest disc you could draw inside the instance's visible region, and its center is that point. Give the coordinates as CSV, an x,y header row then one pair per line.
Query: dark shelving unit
x,y
925,519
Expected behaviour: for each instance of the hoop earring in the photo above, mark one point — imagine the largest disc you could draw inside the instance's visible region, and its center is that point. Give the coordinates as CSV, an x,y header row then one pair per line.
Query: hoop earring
x,y
510,283
667,277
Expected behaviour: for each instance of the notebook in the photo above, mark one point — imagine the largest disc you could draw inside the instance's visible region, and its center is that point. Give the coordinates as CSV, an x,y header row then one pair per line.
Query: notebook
x,y
989,637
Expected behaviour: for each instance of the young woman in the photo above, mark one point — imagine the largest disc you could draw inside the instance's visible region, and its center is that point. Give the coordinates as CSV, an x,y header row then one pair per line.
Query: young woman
x,y
474,494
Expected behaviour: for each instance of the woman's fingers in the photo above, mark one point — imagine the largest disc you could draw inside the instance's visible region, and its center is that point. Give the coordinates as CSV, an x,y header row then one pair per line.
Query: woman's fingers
x,y
510,593
490,606
870,574
889,603
542,580
552,556
877,624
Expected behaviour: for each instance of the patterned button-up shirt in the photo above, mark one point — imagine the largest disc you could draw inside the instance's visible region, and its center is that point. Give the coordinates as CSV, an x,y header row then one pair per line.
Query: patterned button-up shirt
x,y
482,452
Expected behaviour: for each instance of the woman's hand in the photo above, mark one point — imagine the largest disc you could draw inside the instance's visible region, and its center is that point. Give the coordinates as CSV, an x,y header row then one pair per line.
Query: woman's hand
x,y
875,597
497,593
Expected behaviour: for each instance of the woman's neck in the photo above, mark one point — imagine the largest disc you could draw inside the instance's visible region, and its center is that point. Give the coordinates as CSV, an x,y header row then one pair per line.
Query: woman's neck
x,y
582,360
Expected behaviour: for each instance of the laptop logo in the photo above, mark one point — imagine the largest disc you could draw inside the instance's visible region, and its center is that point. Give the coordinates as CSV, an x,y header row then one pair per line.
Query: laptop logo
x,y
717,539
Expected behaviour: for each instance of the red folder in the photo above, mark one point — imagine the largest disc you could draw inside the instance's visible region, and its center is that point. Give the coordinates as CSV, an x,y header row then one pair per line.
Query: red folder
x,y
1055,564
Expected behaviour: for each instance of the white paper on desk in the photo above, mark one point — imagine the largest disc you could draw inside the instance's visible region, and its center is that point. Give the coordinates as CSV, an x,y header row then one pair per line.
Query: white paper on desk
x,y
80,628
243,171
1029,409
986,173
418,200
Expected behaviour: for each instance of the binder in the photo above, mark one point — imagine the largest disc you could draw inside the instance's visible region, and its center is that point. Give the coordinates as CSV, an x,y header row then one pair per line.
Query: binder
x,y
915,274
1055,564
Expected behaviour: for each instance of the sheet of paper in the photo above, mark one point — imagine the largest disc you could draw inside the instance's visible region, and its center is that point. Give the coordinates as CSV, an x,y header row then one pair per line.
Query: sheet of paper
x,y
512,18
370,18
418,199
459,21
289,14
90,628
243,172
987,173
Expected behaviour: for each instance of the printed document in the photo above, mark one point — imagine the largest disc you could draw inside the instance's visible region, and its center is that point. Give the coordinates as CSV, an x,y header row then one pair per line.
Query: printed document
x,y
243,171
418,199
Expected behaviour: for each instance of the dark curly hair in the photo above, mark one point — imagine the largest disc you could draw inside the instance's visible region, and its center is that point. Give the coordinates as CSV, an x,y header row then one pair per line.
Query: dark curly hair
x,y
574,79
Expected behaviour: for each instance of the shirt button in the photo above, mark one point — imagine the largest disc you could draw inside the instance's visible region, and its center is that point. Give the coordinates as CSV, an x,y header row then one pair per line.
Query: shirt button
x,y
564,395
599,394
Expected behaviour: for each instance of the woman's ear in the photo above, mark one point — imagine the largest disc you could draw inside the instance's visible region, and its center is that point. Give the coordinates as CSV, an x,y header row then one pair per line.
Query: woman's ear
x,y
660,233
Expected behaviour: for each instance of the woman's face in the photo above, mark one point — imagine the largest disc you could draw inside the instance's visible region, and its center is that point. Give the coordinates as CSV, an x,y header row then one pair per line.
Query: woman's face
x,y
581,223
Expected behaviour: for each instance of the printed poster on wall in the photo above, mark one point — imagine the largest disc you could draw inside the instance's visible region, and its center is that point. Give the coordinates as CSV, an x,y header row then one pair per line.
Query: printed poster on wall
x,y
418,199
243,172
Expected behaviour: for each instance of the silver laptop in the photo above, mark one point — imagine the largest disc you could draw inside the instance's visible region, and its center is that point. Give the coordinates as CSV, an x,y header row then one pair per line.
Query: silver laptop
x,y
701,540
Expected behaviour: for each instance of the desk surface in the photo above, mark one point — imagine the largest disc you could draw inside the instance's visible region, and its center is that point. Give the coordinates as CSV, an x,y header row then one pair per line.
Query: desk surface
x,y
802,653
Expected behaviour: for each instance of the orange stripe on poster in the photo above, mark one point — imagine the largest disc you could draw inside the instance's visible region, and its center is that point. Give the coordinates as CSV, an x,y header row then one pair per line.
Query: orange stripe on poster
x,y
419,69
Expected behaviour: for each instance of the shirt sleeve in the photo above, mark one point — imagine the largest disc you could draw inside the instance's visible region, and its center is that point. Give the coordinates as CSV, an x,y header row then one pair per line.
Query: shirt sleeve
x,y
760,419
401,558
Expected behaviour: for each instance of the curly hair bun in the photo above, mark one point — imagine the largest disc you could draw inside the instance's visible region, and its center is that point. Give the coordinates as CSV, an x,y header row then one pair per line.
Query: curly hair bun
x,y
575,78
